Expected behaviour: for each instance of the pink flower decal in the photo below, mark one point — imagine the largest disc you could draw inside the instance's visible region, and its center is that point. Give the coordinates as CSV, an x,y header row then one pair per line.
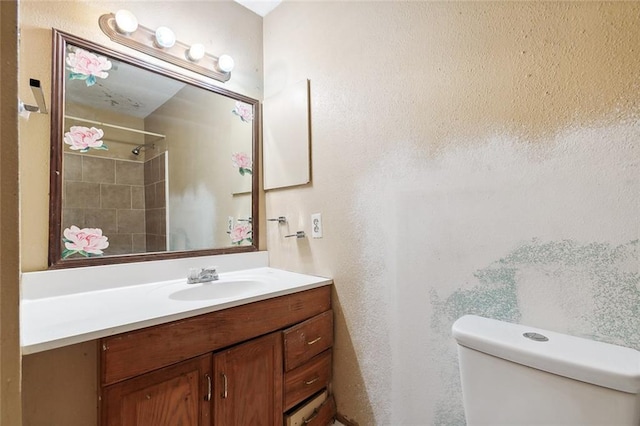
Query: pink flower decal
x,y
82,138
244,111
240,232
87,66
86,241
242,162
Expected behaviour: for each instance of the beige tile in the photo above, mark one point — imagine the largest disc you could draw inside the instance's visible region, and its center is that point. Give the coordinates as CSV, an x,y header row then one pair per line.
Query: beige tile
x,y
137,197
100,170
81,195
72,217
129,173
149,196
150,172
104,219
160,200
115,196
161,167
131,221
72,167
156,243
139,243
118,244
155,221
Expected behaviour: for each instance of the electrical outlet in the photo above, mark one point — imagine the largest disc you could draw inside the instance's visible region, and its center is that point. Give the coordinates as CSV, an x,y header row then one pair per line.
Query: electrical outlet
x,y
316,225
229,224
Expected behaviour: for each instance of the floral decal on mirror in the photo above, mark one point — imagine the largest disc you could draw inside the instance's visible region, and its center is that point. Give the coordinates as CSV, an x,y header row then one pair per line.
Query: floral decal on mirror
x,y
81,139
87,66
88,242
244,111
242,162
240,233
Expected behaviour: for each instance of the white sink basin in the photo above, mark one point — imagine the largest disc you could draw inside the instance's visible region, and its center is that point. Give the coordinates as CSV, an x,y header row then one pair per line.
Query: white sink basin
x,y
221,289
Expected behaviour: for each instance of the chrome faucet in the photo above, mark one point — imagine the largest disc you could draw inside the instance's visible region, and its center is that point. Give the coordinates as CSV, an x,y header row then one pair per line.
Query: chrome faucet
x,y
202,275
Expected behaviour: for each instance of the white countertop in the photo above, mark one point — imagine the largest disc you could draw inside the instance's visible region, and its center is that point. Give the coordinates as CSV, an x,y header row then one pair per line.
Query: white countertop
x,y
53,321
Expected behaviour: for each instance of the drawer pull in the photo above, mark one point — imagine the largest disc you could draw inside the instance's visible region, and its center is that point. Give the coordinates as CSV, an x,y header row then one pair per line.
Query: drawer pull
x,y
314,341
225,386
312,381
208,397
310,419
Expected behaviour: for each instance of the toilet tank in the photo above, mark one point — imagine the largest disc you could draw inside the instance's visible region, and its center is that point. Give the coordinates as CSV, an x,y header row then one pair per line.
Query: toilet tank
x,y
513,374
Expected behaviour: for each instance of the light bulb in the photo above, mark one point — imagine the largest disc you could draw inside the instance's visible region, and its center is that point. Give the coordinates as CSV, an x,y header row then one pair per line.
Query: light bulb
x,y
126,22
165,38
195,52
225,63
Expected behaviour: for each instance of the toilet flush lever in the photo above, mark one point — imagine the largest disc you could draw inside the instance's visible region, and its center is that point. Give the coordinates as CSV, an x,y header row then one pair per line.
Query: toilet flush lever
x,y
536,337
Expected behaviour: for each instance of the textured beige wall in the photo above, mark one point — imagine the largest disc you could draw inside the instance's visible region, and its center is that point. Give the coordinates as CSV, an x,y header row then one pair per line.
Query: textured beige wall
x,y
59,386
468,157
10,412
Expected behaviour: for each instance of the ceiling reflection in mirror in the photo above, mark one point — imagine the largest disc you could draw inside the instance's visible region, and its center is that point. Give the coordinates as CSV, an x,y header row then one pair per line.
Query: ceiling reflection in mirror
x,y
147,163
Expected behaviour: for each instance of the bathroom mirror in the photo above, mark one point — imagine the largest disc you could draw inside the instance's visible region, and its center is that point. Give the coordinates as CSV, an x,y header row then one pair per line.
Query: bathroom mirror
x,y
146,163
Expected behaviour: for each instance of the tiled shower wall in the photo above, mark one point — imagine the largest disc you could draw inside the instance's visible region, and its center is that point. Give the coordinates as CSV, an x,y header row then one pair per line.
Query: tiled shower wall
x,y
107,194
155,203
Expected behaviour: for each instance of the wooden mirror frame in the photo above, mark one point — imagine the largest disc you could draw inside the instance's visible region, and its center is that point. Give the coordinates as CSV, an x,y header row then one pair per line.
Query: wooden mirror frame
x,y
60,41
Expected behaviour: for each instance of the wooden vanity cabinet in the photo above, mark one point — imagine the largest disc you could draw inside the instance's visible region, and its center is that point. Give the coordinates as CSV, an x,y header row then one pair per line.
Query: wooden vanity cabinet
x,y
175,395
222,368
249,383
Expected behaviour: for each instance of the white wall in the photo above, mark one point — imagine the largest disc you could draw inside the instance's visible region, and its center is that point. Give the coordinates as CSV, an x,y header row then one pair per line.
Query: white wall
x,y
468,157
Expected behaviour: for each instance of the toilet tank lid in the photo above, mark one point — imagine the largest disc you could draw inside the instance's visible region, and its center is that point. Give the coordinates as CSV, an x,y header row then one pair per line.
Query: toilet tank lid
x,y
599,363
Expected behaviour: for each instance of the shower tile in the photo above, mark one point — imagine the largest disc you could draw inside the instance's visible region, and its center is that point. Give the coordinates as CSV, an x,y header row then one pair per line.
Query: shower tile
x,y
131,221
72,167
72,217
81,195
119,244
139,243
100,170
156,243
160,200
155,221
129,173
116,196
137,197
161,167
151,171
104,219
149,196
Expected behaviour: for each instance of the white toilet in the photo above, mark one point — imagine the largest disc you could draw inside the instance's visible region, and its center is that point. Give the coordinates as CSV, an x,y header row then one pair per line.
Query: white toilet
x,y
518,375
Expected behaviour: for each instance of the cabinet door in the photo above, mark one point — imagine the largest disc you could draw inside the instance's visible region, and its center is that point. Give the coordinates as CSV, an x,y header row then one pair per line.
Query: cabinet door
x,y
178,395
248,379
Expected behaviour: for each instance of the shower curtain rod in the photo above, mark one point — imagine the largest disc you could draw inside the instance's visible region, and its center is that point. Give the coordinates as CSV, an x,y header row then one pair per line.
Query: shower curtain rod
x,y
116,126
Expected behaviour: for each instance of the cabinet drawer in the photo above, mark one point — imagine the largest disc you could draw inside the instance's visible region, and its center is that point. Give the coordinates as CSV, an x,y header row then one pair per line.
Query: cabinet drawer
x,y
307,339
302,382
320,411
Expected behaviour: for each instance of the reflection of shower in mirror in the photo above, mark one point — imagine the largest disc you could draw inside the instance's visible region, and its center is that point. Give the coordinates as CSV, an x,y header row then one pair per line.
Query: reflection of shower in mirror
x,y
136,150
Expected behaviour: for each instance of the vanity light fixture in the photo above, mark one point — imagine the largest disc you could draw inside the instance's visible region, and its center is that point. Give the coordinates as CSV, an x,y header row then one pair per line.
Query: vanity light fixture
x,y
196,52
225,63
122,27
126,22
165,38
